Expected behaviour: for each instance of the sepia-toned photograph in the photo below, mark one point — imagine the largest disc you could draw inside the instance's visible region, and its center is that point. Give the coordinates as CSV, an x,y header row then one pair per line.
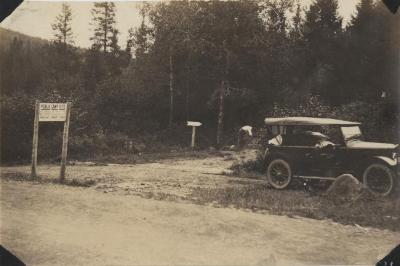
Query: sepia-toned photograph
x,y
217,133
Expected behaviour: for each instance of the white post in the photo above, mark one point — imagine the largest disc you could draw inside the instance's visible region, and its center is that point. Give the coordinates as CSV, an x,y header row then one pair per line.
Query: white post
x,y
193,136
193,125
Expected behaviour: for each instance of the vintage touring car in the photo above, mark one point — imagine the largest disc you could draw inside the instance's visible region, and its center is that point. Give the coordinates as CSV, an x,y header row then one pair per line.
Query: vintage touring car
x,y
324,148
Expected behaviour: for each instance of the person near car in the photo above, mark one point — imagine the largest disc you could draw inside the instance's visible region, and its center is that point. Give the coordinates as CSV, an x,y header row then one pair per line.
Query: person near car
x,y
244,136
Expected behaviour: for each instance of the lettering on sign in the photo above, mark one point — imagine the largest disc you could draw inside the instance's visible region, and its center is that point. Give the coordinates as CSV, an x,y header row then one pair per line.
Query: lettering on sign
x,y
52,112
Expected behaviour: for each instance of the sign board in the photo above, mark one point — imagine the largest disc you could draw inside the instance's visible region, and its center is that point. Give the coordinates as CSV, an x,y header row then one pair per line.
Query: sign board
x,y
52,112
193,124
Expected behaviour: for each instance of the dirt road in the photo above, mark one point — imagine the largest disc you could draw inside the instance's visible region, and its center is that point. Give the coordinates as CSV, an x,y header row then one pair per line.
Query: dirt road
x,y
175,178
58,225
49,224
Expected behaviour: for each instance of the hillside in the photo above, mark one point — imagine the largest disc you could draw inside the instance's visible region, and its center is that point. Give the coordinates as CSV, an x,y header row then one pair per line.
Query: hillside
x,y
7,36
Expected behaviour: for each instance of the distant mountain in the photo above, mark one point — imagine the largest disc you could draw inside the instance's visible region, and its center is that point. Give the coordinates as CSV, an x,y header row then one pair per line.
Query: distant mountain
x,y
7,36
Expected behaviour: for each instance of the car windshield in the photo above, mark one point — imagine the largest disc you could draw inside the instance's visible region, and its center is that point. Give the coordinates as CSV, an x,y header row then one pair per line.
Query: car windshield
x,y
351,133
308,136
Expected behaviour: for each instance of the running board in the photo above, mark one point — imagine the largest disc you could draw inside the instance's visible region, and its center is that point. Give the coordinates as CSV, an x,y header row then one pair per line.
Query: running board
x,y
315,177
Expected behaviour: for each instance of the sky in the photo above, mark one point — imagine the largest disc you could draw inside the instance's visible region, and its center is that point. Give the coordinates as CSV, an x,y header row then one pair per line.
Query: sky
x,y
34,17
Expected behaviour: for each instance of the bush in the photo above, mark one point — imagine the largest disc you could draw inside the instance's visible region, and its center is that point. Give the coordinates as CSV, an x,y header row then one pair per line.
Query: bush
x,y
379,120
16,127
88,140
250,168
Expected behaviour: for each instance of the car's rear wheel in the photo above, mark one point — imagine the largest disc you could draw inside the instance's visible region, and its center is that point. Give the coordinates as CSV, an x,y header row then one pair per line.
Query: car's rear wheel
x,y
379,179
279,173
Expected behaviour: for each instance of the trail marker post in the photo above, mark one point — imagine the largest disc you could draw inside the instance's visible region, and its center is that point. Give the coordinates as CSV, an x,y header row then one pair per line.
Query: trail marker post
x,y
51,112
35,140
65,143
193,124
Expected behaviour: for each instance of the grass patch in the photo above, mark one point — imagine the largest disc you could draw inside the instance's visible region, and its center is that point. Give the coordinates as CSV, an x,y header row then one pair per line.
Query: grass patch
x,y
379,213
306,198
18,176
76,182
249,169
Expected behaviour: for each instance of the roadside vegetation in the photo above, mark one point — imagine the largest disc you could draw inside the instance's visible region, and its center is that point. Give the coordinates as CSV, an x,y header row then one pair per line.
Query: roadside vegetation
x,y
73,182
306,199
365,211
252,168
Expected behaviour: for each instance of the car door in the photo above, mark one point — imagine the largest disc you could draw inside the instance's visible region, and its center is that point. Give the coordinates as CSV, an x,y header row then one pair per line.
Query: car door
x,y
300,151
317,155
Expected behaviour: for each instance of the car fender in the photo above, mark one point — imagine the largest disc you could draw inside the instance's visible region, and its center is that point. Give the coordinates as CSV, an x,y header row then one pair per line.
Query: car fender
x,y
268,155
386,160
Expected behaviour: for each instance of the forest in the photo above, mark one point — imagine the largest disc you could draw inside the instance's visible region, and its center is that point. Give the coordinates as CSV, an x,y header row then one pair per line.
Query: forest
x,y
223,63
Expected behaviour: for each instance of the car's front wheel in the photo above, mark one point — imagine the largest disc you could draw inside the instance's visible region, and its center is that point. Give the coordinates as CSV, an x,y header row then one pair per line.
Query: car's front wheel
x,y
379,179
279,173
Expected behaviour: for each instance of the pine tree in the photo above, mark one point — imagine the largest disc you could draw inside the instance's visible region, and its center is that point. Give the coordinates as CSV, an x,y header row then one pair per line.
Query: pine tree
x,y
114,47
62,26
105,34
167,20
374,39
364,12
323,21
323,36
297,23
139,37
275,15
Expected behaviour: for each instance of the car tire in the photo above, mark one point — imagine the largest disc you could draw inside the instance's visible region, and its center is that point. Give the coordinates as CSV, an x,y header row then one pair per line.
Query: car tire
x,y
279,173
372,181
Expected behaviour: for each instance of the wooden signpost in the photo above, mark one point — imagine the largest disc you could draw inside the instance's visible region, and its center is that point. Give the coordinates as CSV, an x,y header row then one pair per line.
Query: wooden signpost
x,y
193,124
35,140
51,112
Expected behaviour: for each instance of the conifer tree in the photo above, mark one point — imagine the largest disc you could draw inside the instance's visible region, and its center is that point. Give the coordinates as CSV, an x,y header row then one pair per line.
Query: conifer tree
x,y
62,26
105,33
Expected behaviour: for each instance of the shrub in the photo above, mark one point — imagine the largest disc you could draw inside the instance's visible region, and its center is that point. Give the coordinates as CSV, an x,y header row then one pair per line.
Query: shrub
x,y
379,120
250,168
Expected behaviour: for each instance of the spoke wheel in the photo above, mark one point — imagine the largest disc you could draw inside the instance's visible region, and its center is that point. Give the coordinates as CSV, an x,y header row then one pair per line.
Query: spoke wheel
x,y
379,179
279,173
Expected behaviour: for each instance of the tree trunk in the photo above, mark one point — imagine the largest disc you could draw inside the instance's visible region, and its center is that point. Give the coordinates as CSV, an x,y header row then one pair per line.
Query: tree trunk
x,y
105,28
224,85
187,91
171,89
221,112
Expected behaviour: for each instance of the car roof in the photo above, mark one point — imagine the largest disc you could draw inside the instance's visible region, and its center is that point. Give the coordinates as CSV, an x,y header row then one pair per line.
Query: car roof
x,y
307,121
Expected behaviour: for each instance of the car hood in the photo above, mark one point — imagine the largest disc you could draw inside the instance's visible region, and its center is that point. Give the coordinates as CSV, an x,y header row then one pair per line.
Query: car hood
x,y
358,144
